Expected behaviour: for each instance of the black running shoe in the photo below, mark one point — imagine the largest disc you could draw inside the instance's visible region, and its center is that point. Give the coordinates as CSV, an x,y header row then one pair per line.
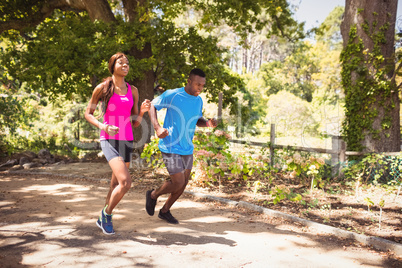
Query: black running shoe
x,y
167,217
150,203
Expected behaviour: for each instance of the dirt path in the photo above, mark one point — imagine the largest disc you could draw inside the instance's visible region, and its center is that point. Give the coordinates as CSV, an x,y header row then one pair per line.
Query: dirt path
x,y
49,221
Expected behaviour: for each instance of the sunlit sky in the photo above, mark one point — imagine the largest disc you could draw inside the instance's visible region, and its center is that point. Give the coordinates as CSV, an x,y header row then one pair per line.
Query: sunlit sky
x,y
314,12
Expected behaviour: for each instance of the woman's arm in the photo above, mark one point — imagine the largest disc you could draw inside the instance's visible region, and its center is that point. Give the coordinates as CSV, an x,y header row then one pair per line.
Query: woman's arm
x,y
136,117
89,112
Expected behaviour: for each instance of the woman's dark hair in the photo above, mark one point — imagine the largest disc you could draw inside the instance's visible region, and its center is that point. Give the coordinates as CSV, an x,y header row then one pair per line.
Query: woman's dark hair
x,y
109,86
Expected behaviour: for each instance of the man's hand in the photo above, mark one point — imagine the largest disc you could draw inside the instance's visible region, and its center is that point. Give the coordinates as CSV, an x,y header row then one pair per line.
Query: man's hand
x,y
212,122
162,132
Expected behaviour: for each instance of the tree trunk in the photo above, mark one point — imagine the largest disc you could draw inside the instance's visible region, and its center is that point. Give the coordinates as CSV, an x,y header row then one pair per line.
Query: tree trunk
x,y
145,87
98,10
369,17
145,84
260,58
245,58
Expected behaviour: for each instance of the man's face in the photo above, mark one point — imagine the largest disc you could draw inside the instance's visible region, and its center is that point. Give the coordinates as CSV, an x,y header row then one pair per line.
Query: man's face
x,y
197,84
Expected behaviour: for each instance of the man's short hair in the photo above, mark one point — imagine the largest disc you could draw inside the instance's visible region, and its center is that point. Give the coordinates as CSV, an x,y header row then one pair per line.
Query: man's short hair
x,y
198,72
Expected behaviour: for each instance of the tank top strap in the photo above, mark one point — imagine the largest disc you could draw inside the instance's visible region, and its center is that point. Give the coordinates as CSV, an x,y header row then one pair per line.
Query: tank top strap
x,y
129,89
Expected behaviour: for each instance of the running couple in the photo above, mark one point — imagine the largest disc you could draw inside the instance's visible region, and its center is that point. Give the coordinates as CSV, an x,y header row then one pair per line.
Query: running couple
x,y
120,114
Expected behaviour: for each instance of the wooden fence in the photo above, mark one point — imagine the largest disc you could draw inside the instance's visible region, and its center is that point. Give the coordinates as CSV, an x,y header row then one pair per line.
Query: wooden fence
x,y
338,151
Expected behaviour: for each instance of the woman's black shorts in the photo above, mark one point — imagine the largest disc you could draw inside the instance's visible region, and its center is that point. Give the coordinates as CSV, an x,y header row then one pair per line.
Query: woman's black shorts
x,y
117,148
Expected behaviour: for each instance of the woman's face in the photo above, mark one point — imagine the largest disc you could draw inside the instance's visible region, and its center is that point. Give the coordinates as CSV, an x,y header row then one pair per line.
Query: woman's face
x,y
121,67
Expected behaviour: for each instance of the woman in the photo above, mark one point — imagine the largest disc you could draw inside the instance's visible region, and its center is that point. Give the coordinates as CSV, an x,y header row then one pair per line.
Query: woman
x,y
120,111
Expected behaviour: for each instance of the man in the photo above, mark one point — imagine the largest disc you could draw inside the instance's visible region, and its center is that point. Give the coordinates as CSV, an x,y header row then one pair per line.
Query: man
x,y
184,113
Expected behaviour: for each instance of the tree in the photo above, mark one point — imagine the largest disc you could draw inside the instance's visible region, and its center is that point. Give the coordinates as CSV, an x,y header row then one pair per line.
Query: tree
x,y
57,46
329,31
327,49
293,74
368,76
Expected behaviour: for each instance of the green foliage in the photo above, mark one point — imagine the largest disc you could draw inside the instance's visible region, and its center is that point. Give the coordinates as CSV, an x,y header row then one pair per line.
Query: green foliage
x,y
308,72
329,30
293,74
211,154
38,125
17,114
282,193
291,115
152,154
302,165
214,142
13,113
84,48
248,16
376,169
177,50
369,203
67,52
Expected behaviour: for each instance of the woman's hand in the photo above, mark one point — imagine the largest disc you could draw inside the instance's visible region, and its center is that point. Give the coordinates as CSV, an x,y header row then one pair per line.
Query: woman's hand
x,y
109,129
145,106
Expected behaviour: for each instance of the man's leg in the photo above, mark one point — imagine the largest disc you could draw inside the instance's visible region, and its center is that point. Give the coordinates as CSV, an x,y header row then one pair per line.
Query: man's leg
x,y
180,167
173,187
175,195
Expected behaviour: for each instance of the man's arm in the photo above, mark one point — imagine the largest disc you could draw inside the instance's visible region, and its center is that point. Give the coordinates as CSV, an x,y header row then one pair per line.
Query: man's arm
x,y
160,131
202,122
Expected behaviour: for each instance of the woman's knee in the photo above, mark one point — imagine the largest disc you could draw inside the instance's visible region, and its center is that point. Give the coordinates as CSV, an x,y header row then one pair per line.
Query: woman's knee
x,y
125,183
113,183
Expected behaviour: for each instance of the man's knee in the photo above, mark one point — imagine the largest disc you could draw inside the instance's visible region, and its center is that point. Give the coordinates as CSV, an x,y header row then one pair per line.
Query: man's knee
x,y
185,182
179,184
178,180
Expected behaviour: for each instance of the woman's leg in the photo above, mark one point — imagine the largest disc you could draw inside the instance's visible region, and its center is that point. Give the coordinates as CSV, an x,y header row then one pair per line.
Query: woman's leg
x,y
120,184
113,184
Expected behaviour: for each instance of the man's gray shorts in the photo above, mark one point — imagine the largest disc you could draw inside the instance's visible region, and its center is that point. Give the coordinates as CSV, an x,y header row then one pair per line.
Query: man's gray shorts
x,y
176,163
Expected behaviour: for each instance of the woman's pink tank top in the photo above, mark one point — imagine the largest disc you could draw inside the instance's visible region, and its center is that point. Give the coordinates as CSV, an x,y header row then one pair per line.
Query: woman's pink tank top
x,y
118,113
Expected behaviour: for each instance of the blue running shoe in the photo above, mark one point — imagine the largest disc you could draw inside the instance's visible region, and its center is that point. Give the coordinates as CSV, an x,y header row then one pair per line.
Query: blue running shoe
x,y
105,222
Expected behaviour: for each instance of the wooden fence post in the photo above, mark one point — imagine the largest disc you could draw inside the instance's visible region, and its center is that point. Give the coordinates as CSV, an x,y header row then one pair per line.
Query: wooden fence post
x,y
220,108
335,156
342,155
338,157
272,145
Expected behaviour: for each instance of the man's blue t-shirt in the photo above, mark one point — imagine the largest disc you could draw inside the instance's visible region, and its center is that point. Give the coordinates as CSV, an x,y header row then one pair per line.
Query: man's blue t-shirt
x,y
183,112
